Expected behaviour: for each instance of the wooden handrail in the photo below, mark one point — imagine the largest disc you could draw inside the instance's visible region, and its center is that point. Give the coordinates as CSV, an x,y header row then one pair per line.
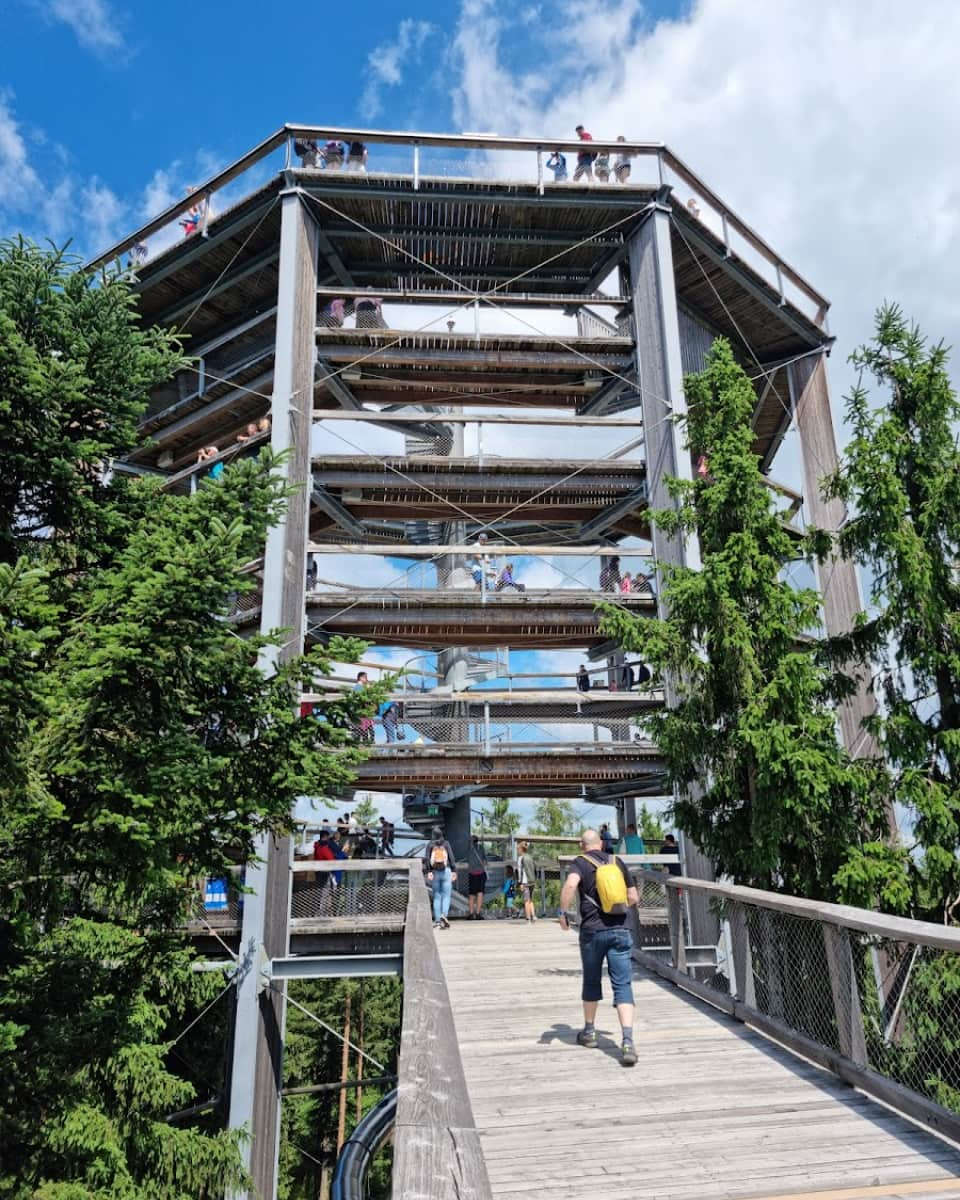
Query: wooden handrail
x,y
845,916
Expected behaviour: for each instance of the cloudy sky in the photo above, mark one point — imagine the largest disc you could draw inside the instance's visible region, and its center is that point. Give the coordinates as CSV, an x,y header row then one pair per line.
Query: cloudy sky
x,y
830,126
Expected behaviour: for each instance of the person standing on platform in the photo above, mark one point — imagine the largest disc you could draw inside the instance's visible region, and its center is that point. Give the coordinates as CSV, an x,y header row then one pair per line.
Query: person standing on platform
x,y
606,838
605,895
440,868
557,163
386,837
631,842
527,880
583,679
476,879
621,165
584,158
670,847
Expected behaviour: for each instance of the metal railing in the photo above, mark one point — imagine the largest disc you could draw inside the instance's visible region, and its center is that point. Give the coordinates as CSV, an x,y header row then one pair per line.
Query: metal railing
x,y
418,157
873,998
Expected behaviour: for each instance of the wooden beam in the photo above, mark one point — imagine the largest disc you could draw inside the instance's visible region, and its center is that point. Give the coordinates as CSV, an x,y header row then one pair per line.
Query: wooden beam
x,y
468,356
501,549
336,414
208,291
451,296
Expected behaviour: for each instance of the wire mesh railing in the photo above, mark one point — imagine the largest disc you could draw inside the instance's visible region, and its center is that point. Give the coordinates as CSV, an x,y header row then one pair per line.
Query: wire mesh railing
x,y
352,892
872,997
490,574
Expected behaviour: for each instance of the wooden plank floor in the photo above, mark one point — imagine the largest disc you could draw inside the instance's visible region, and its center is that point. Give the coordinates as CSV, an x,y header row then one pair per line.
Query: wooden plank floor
x,y
712,1111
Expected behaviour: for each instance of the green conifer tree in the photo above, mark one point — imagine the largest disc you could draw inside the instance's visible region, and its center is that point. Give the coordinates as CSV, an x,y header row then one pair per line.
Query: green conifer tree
x,y
764,788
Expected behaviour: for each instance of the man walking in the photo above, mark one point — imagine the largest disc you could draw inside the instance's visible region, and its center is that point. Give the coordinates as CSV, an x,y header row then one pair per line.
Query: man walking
x,y
606,895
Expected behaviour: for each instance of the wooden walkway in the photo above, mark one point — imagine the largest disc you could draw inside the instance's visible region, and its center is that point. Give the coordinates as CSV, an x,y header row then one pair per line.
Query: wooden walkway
x,y
713,1110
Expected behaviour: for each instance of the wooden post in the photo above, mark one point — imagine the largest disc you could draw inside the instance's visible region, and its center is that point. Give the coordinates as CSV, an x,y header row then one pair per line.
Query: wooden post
x,y
660,373
678,949
742,958
344,1072
839,586
770,956
846,997
256,1075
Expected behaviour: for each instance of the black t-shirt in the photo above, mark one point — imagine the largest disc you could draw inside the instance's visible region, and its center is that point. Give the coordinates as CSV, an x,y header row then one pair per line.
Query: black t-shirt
x,y
592,916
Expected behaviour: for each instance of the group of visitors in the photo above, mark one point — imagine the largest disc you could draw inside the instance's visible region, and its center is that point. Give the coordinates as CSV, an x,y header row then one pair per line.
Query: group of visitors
x,y
209,454
368,311
591,164
619,679
612,580
331,156
440,869
351,840
484,572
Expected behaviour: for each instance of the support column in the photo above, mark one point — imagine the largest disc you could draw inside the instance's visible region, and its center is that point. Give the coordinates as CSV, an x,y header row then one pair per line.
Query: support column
x,y
660,375
837,578
256,1076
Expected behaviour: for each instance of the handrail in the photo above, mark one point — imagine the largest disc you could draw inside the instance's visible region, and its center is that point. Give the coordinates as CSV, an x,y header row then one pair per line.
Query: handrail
x,y
924,933
437,1148
289,131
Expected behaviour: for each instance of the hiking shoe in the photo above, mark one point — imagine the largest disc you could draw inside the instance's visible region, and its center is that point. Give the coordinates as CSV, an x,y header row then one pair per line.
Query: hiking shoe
x,y
628,1056
589,1038
444,923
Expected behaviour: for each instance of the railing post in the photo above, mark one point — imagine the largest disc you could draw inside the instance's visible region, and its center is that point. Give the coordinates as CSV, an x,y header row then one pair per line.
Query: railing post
x,y
742,961
846,996
539,170
416,167
479,443
726,235
783,298
206,214
486,730
771,963
678,949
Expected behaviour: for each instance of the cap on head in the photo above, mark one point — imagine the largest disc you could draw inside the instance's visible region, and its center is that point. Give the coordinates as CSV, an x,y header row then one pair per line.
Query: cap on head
x,y
579,129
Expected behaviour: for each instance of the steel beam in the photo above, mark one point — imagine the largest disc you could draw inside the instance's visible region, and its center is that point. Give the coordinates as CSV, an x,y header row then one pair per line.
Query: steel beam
x,y
334,384
334,966
203,294
333,508
610,516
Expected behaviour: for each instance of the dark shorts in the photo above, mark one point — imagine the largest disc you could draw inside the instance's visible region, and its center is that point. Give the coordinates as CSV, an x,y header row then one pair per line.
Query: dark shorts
x,y
476,883
526,890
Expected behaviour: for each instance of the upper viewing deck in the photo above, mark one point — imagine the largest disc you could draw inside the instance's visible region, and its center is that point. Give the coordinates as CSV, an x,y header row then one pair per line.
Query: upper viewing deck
x,y
465,222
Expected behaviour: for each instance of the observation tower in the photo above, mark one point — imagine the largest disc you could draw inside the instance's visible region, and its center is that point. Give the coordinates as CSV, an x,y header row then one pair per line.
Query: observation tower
x,y
470,365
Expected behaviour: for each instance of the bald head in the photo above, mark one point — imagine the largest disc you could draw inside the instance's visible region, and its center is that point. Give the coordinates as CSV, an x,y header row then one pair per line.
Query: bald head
x,y
591,840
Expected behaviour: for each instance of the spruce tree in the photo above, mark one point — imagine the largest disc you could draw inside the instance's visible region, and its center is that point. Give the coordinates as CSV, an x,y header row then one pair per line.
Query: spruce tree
x,y
900,479
764,788
141,750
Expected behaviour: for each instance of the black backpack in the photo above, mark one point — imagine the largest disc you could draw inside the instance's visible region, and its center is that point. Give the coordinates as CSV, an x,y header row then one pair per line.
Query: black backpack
x,y
357,149
302,148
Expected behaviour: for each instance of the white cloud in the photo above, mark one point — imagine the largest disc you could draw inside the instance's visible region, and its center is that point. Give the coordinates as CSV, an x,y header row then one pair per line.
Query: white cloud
x,y
19,183
388,62
95,25
828,127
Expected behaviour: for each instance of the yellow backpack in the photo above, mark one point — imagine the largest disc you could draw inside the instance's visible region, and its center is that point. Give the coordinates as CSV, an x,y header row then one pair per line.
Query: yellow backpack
x,y
611,887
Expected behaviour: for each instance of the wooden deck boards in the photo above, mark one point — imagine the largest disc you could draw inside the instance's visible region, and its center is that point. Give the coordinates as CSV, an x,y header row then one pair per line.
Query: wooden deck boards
x,y
713,1110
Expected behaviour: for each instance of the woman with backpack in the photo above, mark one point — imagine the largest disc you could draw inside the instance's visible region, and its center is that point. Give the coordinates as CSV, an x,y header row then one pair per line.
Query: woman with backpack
x,y
440,868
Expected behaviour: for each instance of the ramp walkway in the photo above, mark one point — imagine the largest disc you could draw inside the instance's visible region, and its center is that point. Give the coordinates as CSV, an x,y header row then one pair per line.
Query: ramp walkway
x,y
712,1111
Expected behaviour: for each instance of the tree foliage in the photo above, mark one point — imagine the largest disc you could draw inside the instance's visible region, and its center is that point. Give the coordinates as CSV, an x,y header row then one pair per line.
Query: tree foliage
x,y
764,788
141,749
900,478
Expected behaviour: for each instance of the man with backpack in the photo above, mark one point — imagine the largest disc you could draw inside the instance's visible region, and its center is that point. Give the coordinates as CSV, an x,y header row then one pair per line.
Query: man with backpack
x,y
440,868
606,895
